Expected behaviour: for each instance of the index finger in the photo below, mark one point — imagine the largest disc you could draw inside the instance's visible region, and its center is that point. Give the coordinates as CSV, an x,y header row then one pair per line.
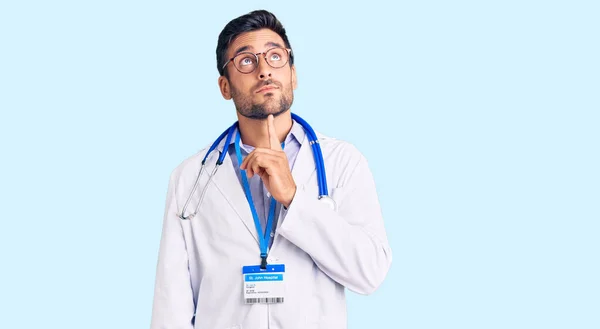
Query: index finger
x,y
273,140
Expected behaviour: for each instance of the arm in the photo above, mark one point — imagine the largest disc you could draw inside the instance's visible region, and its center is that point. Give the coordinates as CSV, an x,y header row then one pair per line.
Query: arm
x,y
349,245
173,306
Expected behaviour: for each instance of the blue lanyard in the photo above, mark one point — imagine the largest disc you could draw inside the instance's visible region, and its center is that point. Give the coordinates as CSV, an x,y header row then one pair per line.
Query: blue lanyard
x,y
263,238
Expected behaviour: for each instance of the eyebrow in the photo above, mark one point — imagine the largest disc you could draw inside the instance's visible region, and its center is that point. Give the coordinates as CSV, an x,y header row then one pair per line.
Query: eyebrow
x,y
268,44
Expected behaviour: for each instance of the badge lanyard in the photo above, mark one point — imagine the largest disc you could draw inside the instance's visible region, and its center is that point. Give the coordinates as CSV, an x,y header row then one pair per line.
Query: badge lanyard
x,y
263,238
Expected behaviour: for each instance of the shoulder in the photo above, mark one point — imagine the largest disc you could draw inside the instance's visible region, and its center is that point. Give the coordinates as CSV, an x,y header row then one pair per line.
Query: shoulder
x,y
336,147
343,160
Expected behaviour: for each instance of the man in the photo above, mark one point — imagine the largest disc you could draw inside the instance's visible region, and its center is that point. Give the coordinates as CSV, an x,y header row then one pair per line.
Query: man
x,y
264,250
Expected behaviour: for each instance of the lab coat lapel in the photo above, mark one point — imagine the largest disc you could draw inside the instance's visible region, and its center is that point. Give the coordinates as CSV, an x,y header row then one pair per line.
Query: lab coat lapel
x,y
304,167
227,182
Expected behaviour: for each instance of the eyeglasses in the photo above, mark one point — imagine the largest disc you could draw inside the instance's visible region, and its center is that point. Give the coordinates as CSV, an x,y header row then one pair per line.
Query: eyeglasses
x,y
247,62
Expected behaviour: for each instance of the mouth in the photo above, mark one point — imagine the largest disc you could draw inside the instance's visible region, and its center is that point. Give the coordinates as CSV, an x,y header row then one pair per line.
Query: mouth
x,y
266,89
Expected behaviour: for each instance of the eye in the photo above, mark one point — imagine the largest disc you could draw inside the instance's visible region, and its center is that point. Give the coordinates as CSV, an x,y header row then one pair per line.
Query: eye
x,y
245,60
275,57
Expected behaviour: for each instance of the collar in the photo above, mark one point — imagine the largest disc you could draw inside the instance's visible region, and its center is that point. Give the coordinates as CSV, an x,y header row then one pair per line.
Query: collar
x,y
296,133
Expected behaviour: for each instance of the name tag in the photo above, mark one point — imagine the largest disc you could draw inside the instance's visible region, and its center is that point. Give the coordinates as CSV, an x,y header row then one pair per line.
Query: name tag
x,y
265,286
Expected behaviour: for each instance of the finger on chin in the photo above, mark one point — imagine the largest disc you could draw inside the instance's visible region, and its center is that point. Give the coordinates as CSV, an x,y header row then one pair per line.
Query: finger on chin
x,y
273,140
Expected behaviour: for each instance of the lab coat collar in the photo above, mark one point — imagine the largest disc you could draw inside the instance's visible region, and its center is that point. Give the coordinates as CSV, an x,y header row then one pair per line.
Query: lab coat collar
x,y
296,132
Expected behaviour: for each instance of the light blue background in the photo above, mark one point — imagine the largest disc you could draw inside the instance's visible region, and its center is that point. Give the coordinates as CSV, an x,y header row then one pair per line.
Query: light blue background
x,y
479,119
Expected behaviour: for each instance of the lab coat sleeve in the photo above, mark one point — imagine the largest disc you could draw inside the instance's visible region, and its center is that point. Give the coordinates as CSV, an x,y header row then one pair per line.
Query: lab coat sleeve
x,y
349,245
173,305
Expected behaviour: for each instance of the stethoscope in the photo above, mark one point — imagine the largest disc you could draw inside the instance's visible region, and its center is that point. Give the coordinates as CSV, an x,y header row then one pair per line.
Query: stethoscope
x,y
317,154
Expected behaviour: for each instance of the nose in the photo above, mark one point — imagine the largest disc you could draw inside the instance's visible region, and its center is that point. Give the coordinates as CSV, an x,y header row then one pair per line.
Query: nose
x,y
264,69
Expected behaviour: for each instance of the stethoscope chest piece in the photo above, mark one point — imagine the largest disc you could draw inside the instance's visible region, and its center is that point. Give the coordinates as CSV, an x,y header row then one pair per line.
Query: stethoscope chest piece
x,y
328,201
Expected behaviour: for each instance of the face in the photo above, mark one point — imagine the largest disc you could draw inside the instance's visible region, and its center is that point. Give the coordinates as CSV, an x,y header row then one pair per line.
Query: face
x,y
264,91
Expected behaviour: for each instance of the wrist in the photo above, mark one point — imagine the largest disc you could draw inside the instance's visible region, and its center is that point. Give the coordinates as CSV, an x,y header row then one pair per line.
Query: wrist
x,y
288,201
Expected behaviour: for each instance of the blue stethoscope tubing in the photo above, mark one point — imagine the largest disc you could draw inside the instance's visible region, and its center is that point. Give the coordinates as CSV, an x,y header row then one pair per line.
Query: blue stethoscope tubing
x,y
317,154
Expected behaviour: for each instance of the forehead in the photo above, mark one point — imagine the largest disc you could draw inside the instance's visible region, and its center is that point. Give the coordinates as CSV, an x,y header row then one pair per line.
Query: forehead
x,y
255,41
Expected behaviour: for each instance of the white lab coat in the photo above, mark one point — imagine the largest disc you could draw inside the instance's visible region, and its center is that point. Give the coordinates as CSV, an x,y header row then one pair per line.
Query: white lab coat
x,y
199,274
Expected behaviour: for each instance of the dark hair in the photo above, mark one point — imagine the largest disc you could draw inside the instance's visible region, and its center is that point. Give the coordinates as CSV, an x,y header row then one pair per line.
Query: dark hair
x,y
256,20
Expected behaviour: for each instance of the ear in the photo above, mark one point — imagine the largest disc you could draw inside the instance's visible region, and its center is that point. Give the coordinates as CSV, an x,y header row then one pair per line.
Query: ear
x,y
225,87
294,81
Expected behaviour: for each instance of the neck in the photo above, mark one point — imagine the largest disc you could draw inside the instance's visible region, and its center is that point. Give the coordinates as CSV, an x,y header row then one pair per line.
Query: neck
x,y
256,134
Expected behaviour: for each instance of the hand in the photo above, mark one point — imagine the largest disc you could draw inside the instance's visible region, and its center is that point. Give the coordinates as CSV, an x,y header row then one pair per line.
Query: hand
x,y
271,164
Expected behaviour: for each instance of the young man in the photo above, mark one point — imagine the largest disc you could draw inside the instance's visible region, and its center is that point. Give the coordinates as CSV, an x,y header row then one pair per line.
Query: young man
x,y
268,246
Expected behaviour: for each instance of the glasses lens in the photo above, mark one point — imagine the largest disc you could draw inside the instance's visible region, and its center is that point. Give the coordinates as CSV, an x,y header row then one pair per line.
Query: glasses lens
x,y
277,57
245,62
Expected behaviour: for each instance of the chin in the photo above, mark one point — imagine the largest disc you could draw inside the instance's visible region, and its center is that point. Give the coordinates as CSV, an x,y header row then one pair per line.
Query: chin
x,y
277,112
268,97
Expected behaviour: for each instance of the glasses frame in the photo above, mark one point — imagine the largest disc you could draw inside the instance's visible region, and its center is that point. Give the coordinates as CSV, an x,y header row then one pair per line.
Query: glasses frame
x,y
264,55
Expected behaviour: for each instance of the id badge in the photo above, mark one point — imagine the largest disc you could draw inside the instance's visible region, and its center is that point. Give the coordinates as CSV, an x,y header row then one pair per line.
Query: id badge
x,y
265,286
